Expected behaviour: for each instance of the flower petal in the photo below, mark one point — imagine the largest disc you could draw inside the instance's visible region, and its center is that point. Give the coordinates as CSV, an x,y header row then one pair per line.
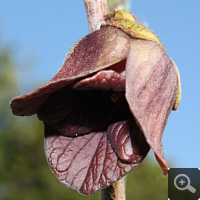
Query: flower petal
x,y
128,141
151,89
103,80
86,163
96,51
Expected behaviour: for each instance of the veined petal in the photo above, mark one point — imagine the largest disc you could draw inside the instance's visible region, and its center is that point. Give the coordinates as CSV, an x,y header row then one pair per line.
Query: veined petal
x,y
151,89
85,163
128,141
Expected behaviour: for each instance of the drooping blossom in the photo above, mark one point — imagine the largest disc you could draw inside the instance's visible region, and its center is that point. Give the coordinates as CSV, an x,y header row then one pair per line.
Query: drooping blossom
x,y
105,108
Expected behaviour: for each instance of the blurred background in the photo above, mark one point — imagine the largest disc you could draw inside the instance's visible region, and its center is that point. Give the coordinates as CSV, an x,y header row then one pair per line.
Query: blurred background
x,y
34,39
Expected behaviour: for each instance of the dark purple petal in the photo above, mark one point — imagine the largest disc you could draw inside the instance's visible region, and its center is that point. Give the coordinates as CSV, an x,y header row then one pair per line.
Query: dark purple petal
x,y
85,163
96,51
103,80
128,141
151,89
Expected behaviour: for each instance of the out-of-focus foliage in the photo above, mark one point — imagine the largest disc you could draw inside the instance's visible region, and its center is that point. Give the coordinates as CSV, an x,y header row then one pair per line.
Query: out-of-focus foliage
x,y
147,182
7,84
24,173
119,4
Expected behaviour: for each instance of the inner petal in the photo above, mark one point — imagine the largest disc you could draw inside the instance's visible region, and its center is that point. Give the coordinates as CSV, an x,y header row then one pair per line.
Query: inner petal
x,y
103,80
127,140
113,78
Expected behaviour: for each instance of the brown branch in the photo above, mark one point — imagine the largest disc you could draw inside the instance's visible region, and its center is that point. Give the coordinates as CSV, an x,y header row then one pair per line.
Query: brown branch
x,y
96,11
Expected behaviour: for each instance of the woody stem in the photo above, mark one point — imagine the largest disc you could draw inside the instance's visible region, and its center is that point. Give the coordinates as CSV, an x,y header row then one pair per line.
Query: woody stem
x,y
96,11
115,191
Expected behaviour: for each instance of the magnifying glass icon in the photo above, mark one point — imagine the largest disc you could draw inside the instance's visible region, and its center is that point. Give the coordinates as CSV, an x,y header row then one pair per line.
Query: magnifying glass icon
x,y
182,182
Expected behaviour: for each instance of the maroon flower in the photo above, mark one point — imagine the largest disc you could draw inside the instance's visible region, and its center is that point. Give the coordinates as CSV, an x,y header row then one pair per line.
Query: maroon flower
x,y
104,109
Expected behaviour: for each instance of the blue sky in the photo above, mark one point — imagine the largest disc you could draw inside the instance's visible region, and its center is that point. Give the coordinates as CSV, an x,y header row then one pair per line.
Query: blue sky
x,y
42,32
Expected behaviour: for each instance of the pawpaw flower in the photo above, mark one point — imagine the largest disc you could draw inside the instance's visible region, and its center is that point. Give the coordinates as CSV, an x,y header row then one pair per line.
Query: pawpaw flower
x,y
107,105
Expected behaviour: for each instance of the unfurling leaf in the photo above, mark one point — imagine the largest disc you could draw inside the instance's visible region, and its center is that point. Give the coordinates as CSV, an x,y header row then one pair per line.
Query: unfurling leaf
x,y
107,105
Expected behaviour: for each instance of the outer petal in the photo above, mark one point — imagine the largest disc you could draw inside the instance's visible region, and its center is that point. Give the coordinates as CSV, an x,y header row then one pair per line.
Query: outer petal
x,y
85,163
151,89
94,52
